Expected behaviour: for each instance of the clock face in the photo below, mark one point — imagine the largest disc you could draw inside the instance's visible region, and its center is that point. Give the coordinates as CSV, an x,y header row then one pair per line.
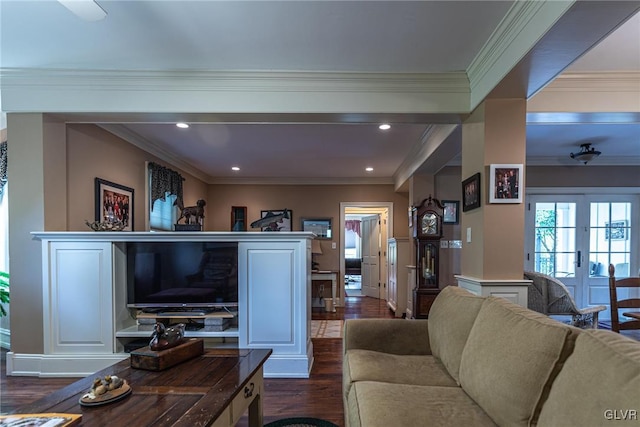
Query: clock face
x,y
429,224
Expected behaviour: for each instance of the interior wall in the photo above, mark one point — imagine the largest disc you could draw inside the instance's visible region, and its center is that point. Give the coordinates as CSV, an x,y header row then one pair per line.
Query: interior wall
x,y
589,175
93,152
448,183
305,201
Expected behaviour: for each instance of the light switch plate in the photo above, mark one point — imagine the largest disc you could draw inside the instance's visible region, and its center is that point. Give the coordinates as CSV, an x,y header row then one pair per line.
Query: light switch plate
x,y
333,245
444,244
468,234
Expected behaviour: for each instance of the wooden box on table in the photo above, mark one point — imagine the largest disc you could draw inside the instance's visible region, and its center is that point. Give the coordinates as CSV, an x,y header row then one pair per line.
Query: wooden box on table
x,y
145,358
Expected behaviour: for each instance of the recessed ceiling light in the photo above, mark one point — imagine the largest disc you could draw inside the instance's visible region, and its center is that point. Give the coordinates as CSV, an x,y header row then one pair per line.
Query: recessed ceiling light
x,y
384,126
182,125
235,168
369,169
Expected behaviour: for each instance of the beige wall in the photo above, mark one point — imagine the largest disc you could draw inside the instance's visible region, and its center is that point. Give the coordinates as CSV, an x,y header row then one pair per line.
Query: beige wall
x,y
589,175
321,201
93,152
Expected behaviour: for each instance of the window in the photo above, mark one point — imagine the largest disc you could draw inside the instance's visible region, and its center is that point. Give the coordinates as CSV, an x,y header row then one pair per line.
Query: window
x,y
164,188
164,213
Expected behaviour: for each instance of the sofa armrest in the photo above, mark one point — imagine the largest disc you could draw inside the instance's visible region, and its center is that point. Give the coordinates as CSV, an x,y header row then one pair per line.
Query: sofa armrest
x,y
393,336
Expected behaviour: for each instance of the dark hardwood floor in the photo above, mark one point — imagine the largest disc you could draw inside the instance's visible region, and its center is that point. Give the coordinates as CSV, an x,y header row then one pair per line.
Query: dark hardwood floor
x,y
318,396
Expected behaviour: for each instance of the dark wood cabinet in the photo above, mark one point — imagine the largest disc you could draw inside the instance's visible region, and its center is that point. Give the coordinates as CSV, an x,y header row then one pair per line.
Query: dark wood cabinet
x,y
238,218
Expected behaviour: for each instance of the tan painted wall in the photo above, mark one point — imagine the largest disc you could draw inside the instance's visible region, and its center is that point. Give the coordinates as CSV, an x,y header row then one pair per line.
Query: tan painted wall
x,y
590,175
93,152
321,201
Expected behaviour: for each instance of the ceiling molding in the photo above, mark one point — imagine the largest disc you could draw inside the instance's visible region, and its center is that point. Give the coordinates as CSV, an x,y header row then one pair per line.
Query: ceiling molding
x,y
507,31
567,161
521,28
61,90
431,139
301,181
623,81
153,148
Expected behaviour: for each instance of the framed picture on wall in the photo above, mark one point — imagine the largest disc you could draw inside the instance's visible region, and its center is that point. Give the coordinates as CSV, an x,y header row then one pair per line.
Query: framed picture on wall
x,y
114,203
451,212
320,226
471,193
504,183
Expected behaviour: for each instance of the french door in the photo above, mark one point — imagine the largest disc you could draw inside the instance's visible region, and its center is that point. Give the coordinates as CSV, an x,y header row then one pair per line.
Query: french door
x,y
575,237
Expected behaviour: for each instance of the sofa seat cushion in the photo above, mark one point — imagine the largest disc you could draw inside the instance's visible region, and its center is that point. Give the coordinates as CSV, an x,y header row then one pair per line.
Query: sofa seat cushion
x,y
372,404
367,365
599,383
511,358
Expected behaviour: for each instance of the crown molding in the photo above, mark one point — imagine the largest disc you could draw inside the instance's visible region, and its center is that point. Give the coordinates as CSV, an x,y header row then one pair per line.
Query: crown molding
x,y
300,181
194,91
502,37
152,148
567,161
432,138
239,80
518,32
619,81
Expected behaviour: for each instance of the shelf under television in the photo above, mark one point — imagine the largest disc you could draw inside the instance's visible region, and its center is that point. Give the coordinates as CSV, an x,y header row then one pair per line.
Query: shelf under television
x,y
138,332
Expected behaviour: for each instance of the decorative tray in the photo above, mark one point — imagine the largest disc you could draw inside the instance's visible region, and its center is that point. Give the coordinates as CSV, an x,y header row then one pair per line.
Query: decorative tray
x,y
90,399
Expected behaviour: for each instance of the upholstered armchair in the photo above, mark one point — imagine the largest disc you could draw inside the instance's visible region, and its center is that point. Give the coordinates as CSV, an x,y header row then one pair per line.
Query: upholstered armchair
x,y
547,295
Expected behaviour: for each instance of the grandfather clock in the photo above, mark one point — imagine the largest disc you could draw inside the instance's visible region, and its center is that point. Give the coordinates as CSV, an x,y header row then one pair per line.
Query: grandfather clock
x,y
427,235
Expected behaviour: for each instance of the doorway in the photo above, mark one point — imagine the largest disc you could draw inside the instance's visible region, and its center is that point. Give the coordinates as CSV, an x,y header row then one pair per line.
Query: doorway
x,y
375,225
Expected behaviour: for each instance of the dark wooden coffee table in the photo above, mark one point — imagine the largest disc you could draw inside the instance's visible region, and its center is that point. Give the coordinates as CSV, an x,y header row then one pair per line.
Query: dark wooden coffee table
x,y
214,389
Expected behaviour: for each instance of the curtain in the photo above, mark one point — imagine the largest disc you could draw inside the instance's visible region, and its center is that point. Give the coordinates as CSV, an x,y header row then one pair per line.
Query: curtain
x,y
353,225
3,166
163,181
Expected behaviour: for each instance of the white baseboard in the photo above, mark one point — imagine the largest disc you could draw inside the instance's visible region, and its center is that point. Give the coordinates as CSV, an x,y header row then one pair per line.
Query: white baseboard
x,y
68,365
289,365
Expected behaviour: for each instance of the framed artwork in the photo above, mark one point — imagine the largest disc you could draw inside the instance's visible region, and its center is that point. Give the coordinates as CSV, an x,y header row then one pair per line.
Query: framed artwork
x,y
616,230
451,212
504,183
320,226
281,220
471,193
114,203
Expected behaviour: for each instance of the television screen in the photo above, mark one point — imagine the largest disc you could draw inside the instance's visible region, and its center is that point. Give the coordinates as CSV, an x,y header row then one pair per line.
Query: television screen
x,y
182,274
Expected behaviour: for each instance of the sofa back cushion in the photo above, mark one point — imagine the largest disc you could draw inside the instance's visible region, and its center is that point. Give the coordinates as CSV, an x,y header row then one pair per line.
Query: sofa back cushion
x,y
510,360
598,385
450,320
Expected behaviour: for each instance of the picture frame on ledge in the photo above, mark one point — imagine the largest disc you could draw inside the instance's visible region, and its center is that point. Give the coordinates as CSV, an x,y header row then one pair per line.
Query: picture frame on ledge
x,y
505,183
451,211
114,203
471,193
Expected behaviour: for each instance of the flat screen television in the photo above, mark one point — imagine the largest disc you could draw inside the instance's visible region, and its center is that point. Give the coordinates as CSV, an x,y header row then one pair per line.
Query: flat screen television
x,y
185,275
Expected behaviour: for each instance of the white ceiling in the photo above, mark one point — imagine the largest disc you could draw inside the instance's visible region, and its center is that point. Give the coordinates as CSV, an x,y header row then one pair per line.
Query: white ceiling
x,y
333,36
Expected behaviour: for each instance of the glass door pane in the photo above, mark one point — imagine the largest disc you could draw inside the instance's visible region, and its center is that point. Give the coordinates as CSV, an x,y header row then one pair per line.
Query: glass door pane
x,y
610,231
555,239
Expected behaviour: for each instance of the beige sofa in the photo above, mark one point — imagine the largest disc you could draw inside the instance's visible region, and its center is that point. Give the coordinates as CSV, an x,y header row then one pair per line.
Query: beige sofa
x,y
485,361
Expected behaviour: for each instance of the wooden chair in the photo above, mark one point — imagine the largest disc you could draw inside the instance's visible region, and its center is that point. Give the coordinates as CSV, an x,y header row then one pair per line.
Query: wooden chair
x,y
548,295
630,283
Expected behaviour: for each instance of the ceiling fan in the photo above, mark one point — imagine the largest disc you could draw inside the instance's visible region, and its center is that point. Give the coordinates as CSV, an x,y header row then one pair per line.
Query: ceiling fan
x,y
88,10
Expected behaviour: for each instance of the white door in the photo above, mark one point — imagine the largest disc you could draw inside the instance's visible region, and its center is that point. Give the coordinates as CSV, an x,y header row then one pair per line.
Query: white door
x,y
575,237
371,256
